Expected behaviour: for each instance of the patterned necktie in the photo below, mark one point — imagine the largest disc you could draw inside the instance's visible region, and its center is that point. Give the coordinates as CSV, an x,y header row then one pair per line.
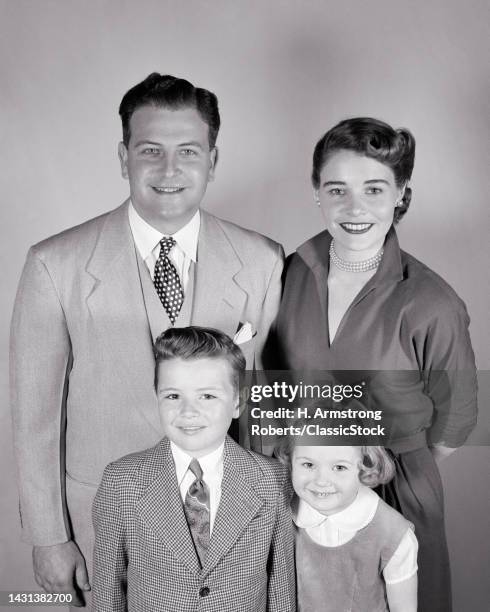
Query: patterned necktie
x,y
196,509
167,281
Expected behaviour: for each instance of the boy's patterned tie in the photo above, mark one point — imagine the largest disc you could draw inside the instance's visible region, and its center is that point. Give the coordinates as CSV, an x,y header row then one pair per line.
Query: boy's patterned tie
x,y
167,281
196,508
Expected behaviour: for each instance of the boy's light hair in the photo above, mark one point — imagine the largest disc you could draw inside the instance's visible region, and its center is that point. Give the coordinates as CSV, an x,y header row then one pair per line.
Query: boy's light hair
x,y
195,342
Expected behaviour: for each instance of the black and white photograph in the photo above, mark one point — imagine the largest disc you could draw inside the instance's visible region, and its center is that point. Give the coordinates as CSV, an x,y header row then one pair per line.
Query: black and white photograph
x,y
246,352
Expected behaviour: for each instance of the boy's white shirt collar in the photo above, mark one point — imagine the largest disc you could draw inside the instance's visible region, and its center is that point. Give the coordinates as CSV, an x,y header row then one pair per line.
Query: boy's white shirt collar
x,y
356,516
211,464
212,468
147,238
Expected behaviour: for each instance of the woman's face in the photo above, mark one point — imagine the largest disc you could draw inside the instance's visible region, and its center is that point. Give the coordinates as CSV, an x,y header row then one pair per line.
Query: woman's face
x,y
357,197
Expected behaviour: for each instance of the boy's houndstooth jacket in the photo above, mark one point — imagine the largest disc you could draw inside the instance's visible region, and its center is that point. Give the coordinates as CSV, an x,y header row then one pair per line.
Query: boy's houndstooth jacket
x,y
144,556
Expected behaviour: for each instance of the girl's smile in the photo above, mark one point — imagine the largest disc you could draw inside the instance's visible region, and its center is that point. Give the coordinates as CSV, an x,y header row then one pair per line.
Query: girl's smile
x,y
326,477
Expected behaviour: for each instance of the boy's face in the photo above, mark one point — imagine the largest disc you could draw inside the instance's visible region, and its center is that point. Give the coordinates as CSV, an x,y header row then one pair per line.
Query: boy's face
x,y
197,402
326,477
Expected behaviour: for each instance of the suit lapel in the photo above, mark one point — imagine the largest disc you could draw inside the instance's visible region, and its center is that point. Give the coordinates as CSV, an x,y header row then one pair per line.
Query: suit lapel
x,y
118,311
162,510
219,299
238,505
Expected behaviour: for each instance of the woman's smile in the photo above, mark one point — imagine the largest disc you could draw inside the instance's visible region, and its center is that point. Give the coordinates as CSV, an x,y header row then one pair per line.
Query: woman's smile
x,y
356,228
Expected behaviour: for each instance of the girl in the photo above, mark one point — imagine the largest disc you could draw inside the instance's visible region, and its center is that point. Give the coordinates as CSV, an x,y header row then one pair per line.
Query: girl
x,y
353,552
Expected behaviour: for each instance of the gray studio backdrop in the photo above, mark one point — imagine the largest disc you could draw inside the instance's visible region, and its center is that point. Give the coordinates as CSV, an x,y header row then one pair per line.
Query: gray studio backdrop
x,y
284,71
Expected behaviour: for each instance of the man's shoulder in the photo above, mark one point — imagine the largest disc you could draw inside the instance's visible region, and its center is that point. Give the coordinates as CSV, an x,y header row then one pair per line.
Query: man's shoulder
x,y
83,235
244,240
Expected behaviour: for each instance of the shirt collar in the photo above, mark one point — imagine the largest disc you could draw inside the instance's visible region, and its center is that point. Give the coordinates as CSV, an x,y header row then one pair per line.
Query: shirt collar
x,y
354,517
210,463
146,237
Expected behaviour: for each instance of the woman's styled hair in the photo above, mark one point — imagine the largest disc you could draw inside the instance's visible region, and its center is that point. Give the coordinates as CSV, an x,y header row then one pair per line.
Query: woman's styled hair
x,y
372,138
376,466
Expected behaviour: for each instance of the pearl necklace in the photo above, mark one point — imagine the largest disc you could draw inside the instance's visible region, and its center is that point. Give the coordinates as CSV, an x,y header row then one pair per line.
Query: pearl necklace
x,y
355,266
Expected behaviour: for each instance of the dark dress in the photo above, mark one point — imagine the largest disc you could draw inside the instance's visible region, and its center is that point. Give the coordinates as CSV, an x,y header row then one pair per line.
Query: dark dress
x,y
409,324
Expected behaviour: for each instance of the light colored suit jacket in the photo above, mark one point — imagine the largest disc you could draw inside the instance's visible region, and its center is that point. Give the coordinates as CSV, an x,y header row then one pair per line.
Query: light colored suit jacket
x,y
82,365
144,556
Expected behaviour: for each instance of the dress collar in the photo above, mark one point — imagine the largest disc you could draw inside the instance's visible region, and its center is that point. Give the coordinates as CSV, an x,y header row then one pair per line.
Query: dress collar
x,y
314,253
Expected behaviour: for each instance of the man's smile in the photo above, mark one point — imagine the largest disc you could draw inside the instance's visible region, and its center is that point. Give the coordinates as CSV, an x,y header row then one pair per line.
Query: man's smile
x,y
168,190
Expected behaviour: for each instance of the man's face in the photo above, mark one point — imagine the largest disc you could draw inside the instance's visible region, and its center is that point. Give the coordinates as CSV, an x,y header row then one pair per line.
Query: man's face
x,y
168,164
197,401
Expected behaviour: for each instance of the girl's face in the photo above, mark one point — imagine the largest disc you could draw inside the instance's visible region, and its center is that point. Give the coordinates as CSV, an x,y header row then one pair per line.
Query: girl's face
x,y
326,477
357,196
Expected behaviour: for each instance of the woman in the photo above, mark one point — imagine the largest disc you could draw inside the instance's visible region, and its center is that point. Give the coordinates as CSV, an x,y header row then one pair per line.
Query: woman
x,y
354,301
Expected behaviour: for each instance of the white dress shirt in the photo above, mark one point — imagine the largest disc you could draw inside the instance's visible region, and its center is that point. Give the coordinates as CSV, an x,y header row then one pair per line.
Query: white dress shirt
x,y
212,468
339,528
147,241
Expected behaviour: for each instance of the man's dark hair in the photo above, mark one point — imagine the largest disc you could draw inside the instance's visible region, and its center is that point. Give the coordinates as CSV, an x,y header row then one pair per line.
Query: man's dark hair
x,y
196,343
167,91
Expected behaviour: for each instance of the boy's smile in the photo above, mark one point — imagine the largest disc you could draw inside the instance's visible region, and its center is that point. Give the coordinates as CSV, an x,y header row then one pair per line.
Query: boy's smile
x,y
190,430
197,401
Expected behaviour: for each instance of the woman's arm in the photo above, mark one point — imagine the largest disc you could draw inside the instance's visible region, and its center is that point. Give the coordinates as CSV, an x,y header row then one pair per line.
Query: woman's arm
x,y
450,374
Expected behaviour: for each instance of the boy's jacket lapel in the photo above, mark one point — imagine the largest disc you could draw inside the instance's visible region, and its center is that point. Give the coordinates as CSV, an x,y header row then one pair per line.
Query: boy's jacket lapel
x,y
162,499
239,502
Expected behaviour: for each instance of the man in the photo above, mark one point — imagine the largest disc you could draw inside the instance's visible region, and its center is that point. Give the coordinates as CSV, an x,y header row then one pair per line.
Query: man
x,y
92,300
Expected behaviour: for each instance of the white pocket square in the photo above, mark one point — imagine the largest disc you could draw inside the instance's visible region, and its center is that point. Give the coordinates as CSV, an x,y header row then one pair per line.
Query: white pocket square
x,y
244,334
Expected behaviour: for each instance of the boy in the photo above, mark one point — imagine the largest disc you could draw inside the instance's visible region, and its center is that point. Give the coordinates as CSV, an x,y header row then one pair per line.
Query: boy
x,y
196,522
